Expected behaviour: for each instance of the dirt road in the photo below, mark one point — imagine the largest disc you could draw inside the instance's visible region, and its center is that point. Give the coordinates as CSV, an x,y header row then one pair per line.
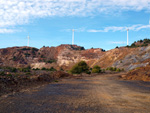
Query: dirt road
x,y
98,94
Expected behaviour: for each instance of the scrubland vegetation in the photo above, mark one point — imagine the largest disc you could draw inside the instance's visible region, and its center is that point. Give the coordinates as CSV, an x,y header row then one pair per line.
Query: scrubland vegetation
x,y
114,69
82,67
14,79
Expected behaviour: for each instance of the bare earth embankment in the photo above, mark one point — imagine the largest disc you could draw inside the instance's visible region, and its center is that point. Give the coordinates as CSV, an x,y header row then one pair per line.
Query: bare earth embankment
x,y
99,94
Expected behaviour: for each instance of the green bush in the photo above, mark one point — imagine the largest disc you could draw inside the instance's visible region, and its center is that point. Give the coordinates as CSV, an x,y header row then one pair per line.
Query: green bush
x,y
52,69
61,69
14,58
113,69
143,42
2,73
28,73
146,40
118,70
51,61
10,69
43,68
9,75
35,69
133,45
103,50
34,50
88,72
27,69
27,54
144,45
96,69
42,56
56,81
25,49
14,70
110,68
122,69
80,67
140,40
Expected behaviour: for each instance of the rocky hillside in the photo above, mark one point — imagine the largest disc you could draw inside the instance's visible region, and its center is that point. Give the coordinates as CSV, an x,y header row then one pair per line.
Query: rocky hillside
x,y
65,56
140,43
36,58
141,73
18,56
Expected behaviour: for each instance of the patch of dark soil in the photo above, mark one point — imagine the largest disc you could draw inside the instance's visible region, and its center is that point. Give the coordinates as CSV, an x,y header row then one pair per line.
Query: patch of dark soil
x,y
10,84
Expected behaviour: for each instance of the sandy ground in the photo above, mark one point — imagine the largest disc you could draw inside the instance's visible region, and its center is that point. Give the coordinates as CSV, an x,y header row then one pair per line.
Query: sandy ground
x,y
98,94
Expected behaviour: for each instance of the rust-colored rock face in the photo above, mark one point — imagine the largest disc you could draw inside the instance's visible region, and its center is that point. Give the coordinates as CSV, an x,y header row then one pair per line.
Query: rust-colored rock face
x,y
53,52
141,73
18,56
65,56
37,58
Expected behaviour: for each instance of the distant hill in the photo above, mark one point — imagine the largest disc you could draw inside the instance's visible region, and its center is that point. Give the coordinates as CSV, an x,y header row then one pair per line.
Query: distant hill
x,y
65,56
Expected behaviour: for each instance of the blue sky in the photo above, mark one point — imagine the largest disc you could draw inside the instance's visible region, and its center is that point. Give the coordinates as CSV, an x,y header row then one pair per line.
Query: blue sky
x,y
97,23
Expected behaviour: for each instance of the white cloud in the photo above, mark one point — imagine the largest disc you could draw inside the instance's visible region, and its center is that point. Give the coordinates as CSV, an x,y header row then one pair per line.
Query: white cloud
x,y
119,42
19,12
7,30
124,28
76,30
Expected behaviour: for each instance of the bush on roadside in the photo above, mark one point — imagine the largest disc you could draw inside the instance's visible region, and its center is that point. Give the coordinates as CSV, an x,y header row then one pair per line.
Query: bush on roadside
x,y
88,72
27,69
35,69
51,61
52,69
79,68
118,70
43,68
114,69
96,69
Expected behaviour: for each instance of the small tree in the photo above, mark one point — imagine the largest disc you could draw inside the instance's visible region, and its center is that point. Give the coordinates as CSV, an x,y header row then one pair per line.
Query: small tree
x,y
43,68
96,69
80,67
52,69
133,45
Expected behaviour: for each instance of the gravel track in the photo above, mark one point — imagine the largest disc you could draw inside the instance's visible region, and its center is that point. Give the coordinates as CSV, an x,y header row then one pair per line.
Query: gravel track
x,y
98,94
